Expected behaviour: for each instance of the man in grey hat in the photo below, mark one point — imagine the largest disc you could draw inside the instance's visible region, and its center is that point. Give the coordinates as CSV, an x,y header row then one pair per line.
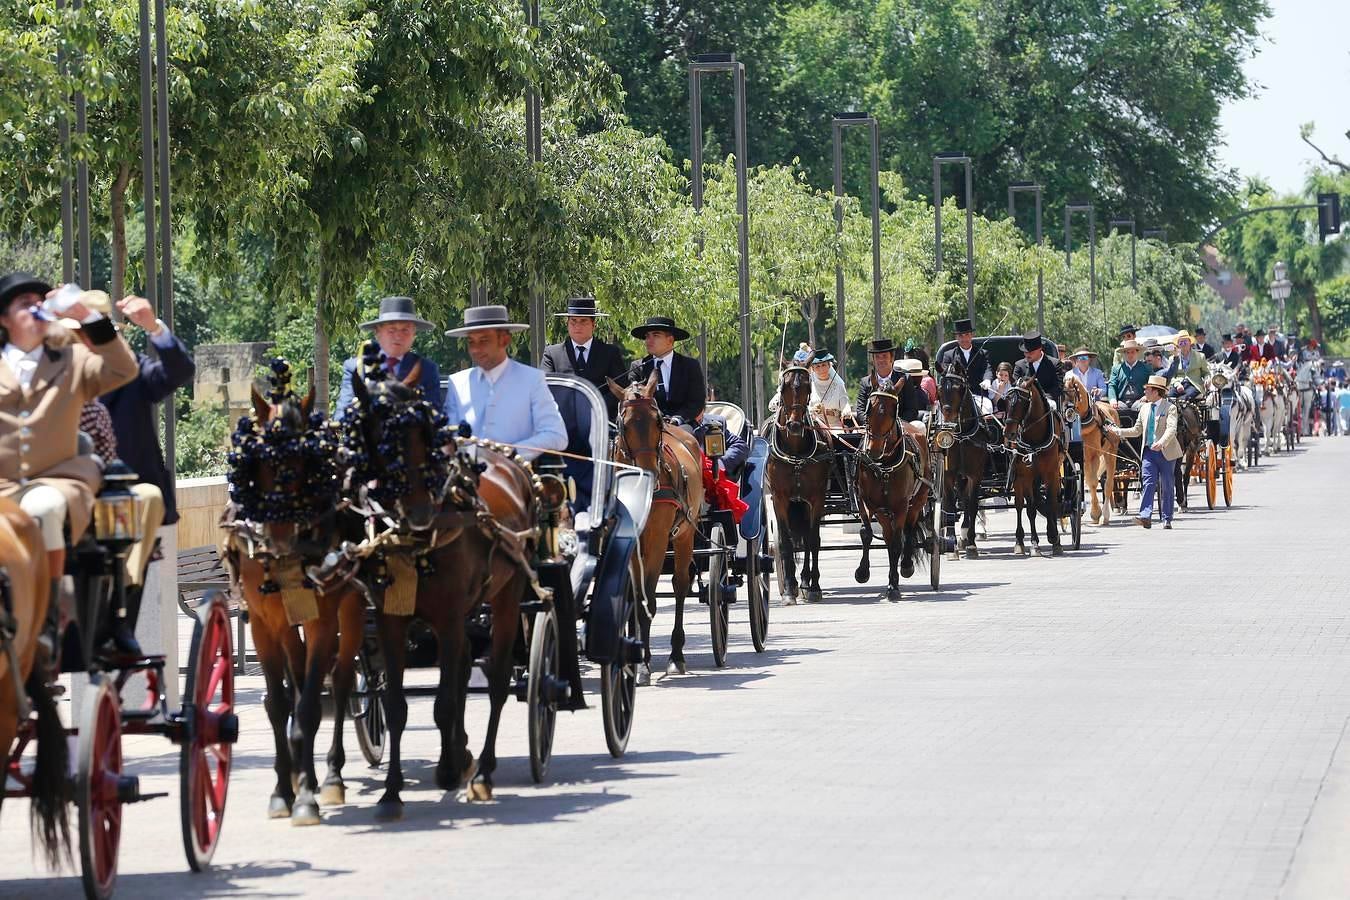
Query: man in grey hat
x,y
395,329
583,354
499,398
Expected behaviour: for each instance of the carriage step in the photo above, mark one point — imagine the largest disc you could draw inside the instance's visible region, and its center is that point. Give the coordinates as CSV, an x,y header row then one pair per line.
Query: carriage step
x,y
129,790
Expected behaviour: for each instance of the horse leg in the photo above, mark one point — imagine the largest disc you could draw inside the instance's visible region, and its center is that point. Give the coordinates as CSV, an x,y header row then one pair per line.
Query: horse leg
x,y
278,705
1019,500
811,557
1052,524
787,558
505,622
455,764
890,534
321,644
351,631
681,581
864,570
393,643
1033,497
973,513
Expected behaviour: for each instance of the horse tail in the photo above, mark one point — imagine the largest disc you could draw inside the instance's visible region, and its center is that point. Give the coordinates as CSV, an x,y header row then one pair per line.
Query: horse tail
x,y
48,810
799,523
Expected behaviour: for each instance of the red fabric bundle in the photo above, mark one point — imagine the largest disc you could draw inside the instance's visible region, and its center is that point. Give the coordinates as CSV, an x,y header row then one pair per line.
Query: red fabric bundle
x,y
723,492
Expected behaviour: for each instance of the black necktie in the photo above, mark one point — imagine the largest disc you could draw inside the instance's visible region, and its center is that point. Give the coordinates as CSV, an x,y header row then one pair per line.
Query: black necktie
x,y
660,380
581,359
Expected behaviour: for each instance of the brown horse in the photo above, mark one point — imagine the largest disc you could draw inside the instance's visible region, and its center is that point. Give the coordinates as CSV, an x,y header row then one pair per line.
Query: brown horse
x,y
890,486
968,457
281,520
1191,437
24,686
1035,438
1099,445
675,461
462,535
797,475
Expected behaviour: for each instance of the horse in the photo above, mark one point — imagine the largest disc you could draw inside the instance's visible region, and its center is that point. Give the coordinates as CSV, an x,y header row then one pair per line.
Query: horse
x,y
1191,437
1272,408
968,457
890,486
798,474
453,525
1241,414
281,518
28,709
1307,379
673,458
1100,446
1035,437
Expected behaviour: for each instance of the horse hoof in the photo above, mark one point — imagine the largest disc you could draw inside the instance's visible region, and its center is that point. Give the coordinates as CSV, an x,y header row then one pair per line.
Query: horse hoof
x,y
893,595
677,667
972,552
644,675
814,595
861,574
480,791
907,570
333,794
388,810
790,600
305,814
278,807
1057,550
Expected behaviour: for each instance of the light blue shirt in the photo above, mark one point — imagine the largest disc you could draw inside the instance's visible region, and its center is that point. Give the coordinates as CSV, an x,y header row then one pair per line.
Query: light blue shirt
x,y
1092,379
517,409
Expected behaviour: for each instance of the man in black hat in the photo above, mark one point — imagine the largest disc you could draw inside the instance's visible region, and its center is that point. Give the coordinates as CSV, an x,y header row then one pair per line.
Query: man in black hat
x,y
1230,355
583,354
680,390
881,354
1127,333
1035,364
972,359
1203,346
395,329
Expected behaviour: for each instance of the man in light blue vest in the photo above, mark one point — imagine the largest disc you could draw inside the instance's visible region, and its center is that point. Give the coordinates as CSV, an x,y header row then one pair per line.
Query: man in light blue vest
x,y
499,398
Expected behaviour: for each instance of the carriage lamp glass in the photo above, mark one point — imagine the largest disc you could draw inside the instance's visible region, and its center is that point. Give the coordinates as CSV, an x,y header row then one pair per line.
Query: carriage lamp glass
x,y
944,439
1220,380
714,441
117,516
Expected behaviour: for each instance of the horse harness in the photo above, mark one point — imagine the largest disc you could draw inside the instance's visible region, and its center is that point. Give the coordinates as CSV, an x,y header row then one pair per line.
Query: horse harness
x,y
669,473
883,471
1021,450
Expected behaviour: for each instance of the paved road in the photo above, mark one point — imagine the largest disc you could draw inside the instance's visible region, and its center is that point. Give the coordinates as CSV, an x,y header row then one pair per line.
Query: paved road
x,y
1158,715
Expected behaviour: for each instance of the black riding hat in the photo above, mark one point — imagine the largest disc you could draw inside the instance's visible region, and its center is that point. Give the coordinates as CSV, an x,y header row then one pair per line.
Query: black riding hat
x,y
16,283
1127,329
963,326
660,323
881,345
1031,341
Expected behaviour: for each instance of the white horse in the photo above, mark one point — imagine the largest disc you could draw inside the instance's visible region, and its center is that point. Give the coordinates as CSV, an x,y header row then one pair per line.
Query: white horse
x,y
1240,414
1272,418
1308,378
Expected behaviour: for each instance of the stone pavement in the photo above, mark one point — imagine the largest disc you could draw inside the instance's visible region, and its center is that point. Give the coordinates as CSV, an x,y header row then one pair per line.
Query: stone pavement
x,y
1158,715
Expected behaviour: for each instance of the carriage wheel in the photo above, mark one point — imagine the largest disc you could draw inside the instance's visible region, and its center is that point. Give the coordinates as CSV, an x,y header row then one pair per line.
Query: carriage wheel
x,y
207,750
770,527
366,707
936,498
542,689
1229,469
1182,480
618,680
757,590
1076,510
1211,473
97,784
717,604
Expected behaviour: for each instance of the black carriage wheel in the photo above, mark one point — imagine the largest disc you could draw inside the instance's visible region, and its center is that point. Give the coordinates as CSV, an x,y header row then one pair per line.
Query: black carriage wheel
x,y
97,796
1181,476
618,681
545,665
757,588
207,752
366,707
1076,510
936,498
717,604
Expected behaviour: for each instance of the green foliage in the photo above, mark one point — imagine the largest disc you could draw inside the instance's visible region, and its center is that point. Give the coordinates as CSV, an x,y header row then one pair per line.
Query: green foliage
x,y
201,440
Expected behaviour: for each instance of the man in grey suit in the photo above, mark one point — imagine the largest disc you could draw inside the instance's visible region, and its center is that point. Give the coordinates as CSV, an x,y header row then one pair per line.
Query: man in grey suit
x,y
583,354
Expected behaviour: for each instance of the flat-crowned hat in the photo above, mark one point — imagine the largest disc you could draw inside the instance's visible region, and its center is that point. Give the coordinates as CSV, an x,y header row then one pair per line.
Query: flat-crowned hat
x,y
1260,332
1081,351
1182,336
16,283
881,345
1200,332
660,323
1157,381
581,306
398,309
1031,341
1226,337
963,326
1127,329
486,318
1131,344
911,367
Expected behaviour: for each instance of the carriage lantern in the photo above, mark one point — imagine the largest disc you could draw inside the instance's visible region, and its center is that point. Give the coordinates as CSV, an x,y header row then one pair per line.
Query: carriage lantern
x,y
714,441
117,511
945,437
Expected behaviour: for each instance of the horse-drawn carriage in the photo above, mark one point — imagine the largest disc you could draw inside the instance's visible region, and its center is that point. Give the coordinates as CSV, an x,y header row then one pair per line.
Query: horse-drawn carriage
x,y
205,726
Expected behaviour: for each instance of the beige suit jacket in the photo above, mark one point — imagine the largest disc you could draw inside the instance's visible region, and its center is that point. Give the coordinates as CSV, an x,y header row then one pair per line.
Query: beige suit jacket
x,y
1167,414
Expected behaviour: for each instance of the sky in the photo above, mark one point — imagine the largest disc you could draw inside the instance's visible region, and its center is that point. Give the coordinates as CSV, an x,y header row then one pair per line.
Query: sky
x,y
1303,68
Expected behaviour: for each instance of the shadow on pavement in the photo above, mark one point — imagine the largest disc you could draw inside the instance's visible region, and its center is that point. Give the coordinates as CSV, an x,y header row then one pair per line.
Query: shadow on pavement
x,y
218,881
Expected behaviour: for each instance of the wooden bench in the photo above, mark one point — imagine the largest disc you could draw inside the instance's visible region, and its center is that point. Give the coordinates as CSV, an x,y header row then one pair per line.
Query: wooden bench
x,y
200,572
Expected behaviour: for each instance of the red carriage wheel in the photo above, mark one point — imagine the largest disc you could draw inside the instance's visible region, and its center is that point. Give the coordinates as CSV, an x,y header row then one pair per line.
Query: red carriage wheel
x,y
98,784
211,727
1211,473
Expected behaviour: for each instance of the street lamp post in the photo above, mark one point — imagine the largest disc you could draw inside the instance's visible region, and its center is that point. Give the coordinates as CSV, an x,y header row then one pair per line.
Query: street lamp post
x,y
842,121
1134,241
1019,187
1281,288
1069,210
709,63
939,161
534,148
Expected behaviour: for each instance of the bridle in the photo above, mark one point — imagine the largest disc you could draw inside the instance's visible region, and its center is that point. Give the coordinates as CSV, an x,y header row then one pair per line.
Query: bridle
x,y
1017,428
383,431
621,441
878,447
798,412
953,381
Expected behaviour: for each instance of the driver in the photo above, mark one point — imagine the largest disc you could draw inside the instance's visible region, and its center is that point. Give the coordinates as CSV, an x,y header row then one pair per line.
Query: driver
x,y
881,354
1035,364
45,381
1188,370
680,390
1128,377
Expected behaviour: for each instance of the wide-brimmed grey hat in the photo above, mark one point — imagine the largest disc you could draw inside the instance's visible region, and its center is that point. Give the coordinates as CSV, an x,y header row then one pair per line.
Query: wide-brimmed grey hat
x,y
486,318
398,309
582,306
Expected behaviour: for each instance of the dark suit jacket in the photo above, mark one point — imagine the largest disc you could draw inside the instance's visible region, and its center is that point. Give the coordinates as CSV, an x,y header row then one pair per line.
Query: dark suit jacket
x,y
132,408
1049,376
687,391
737,448
976,371
1233,357
430,381
604,361
1209,350
913,400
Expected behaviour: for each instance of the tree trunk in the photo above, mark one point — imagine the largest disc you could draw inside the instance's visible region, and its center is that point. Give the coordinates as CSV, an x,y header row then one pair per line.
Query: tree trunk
x,y
118,197
321,339
1315,315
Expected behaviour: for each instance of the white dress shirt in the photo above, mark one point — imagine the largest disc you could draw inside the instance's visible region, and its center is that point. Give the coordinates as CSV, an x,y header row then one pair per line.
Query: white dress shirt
x,y
23,363
664,369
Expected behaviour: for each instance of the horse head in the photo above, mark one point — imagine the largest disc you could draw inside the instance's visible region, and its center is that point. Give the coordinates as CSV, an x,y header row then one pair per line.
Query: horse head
x,y
883,419
640,425
794,400
1077,395
953,390
1027,408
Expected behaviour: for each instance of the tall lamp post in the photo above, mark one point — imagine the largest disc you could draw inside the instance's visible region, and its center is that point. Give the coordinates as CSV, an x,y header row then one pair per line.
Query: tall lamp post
x,y
711,63
842,121
534,148
1069,210
1281,288
939,161
1020,187
1134,242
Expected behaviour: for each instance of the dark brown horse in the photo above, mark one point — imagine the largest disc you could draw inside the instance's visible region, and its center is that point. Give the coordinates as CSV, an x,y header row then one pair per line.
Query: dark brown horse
x,y
281,520
675,461
1191,437
797,475
890,487
28,708
968,457
1035,438
462,536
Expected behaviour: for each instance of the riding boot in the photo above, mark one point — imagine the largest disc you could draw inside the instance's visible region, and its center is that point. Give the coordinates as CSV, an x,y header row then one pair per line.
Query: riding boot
x,y
49,638
122,632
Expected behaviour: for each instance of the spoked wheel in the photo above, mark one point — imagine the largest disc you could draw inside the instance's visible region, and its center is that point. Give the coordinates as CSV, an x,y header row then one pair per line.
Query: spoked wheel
x,y
718,614
1076,509
1211,473
544,689
212,728
1252,451
935,521
98,788
772,536
367,707
757,588
1229,469
618,679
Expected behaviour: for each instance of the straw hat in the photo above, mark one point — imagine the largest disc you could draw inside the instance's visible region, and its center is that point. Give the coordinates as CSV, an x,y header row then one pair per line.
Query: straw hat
x,y
1157,381
1131,344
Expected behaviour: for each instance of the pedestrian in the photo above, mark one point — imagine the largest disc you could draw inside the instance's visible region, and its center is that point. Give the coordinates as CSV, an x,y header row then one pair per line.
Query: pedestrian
x,y
1343,406
1328,405
1158,424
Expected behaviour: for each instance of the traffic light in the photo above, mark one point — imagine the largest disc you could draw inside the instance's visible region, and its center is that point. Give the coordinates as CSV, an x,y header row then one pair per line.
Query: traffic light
x,y
1328,215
